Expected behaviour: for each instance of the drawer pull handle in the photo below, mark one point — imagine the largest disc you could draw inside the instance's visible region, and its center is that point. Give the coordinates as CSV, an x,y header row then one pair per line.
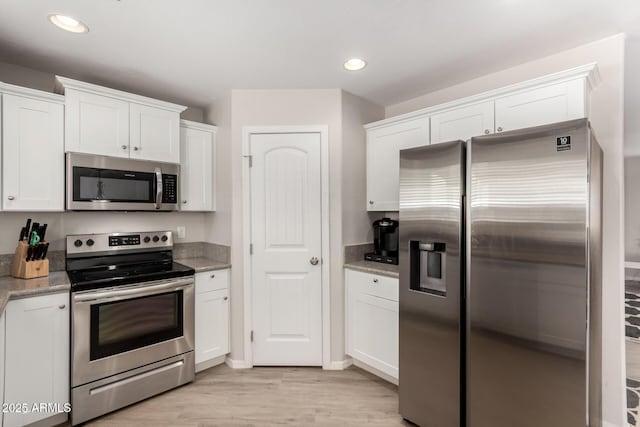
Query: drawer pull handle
x,y
226,298
213,276
375,280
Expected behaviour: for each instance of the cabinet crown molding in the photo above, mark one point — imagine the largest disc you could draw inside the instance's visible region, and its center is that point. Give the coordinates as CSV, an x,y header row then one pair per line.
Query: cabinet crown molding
x,y
197,125
63,83
589,72
31,93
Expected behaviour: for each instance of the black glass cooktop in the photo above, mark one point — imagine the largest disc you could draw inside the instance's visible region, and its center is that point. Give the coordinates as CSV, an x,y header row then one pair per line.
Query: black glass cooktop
x,y
107,271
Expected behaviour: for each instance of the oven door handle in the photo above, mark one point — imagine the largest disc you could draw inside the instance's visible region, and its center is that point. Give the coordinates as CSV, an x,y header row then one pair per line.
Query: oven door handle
x,y
119,294
158,172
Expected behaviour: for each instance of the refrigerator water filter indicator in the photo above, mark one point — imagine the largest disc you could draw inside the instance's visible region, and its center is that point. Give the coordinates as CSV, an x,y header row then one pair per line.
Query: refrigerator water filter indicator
x,y
563,143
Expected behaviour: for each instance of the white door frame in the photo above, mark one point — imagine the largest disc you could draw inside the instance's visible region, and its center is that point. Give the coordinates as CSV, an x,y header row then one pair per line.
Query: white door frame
x,y
247,131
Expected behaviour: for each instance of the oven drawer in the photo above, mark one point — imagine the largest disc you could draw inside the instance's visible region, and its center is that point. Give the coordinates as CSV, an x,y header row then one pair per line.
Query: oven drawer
x,y
212,281
106,395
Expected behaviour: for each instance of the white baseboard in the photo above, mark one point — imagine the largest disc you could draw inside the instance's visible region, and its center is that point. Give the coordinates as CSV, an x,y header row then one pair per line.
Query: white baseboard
x,y
237,364
375,371
210,363
338,365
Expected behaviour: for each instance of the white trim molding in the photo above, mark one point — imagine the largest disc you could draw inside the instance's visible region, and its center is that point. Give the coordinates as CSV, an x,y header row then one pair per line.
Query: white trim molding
x,y
64,83
26,92
339,365
198,126
589,72
237,364
247,131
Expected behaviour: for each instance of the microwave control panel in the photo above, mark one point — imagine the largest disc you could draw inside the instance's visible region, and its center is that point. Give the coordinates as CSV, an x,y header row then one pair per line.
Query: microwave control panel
x,y
169,188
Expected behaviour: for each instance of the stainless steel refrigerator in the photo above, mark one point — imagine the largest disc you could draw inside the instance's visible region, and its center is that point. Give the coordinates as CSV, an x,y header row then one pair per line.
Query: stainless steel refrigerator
x,y
500,280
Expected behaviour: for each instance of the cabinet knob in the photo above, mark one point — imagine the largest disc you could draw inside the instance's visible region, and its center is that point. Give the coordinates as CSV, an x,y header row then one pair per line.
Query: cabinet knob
x,y
124,147
486,132
499,129
314,261
375,280
61,307
184,201
370,202
11,198
226,298
213,276
136,148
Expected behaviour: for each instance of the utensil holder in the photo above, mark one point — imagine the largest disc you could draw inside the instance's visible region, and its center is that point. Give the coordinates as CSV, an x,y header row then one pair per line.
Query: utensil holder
x,y
23,269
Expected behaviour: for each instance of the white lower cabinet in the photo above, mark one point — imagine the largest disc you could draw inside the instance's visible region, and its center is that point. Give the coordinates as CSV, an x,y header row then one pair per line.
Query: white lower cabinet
x,y
36,358
372,320
212,318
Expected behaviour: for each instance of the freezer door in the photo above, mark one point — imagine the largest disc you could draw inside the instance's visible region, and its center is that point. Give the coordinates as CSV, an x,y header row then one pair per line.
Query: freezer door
x,y
527,277
431,189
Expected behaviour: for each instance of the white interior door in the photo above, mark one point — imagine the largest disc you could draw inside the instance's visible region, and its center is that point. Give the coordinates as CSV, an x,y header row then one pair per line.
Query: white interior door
x,y
286,236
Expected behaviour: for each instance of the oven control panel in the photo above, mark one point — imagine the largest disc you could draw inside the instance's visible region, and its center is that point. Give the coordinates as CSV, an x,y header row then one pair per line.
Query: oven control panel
x,y
127,240
89,244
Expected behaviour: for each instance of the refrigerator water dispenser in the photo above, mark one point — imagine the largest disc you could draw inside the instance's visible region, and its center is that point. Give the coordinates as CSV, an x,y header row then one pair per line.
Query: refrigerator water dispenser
x,y
428,261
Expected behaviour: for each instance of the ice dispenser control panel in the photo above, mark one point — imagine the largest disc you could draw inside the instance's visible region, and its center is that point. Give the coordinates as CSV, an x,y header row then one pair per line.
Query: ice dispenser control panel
x,y
428,260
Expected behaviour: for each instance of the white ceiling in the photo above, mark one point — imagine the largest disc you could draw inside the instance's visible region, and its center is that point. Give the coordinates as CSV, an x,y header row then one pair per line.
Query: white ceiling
x,y
192,51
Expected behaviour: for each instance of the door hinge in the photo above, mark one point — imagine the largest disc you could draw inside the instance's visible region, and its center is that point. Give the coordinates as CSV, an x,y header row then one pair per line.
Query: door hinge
x,y
251,336
250,157
250,248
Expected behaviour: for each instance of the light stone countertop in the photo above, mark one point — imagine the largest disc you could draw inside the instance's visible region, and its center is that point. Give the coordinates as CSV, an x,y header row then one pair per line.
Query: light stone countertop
x,y
389,270
12,288
200,264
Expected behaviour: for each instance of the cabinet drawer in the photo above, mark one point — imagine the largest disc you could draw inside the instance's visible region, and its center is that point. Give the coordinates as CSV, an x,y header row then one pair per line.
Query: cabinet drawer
x,y
212,280
373,284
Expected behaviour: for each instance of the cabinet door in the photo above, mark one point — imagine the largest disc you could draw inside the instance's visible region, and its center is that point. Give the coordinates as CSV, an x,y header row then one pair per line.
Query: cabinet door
x,y
372,327
549,104
462,123
196,170
37,355
212,325
33,154
383,160
155,134
96,124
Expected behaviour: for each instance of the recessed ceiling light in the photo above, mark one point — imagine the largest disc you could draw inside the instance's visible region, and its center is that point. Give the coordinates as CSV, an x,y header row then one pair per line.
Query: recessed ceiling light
x,y
68,23
355,64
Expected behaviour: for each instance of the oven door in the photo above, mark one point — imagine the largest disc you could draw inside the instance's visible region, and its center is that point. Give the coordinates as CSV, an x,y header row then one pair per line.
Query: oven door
x,y
122,328
109,183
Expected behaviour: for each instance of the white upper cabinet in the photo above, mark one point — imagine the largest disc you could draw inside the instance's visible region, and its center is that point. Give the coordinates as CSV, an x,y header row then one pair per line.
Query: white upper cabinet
x,y
197,166
32,151
110,122
549,99
96,124
548,104
383,161
462,123
155,134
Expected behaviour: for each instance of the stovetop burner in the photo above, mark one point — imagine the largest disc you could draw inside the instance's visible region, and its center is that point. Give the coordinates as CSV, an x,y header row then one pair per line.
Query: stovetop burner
x,y
117,259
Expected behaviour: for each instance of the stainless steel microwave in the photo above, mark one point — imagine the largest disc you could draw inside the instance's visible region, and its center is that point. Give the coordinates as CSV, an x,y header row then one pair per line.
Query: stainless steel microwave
x,y
115,184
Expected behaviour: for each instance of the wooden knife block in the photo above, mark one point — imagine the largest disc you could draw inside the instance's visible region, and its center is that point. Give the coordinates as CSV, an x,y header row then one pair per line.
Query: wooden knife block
x,y
23,269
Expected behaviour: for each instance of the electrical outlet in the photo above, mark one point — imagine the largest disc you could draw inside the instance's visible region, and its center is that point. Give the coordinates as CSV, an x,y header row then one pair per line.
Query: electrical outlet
x,y
182,231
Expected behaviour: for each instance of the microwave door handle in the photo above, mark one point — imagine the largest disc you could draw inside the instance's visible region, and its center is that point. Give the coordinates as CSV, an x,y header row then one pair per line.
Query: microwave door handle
x,y
158,188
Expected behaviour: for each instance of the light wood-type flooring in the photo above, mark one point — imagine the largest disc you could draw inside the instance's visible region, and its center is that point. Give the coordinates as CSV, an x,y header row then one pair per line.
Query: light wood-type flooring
x,y
271,396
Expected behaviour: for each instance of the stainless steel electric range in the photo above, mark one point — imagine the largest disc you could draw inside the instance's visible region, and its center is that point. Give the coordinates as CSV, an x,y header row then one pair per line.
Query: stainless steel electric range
x,y
132,320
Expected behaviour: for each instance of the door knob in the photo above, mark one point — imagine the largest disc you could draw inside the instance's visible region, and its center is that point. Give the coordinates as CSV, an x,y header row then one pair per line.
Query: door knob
x,y
11,198
313,261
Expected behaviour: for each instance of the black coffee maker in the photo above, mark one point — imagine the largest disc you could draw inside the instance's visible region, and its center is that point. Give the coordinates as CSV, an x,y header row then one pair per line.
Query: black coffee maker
x,y
385,242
